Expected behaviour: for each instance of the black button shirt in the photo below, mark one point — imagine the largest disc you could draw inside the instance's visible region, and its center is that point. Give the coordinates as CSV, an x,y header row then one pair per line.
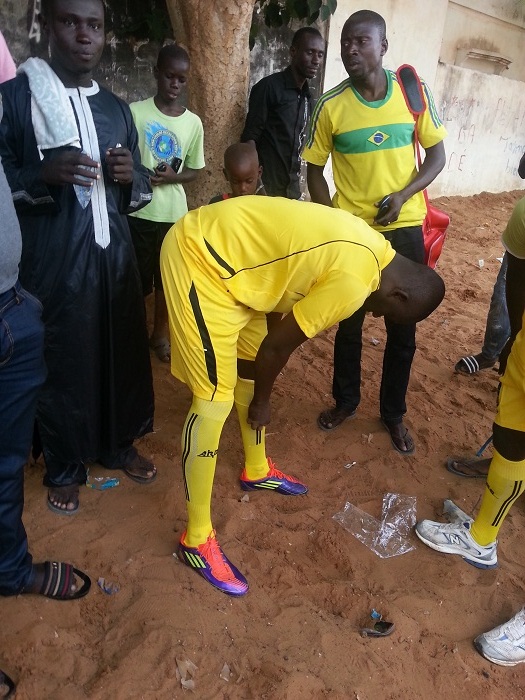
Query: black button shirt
x,y
277,121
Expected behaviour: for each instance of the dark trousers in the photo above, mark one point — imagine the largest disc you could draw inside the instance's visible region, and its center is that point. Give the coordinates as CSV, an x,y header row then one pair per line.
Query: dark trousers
x,y
399,351
22,373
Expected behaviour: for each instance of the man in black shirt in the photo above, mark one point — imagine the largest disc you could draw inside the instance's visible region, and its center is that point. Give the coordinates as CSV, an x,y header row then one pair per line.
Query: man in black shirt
x,y
278,114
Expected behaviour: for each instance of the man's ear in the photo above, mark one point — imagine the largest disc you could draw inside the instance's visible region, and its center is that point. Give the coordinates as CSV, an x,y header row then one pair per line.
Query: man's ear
x,y
400,294
155,72
225,173
384,46
260,170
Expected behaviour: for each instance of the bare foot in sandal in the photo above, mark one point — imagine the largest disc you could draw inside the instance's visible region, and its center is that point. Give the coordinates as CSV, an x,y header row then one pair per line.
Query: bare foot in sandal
x,y
471,468
140,470
58,581
63,499
400,437
333,417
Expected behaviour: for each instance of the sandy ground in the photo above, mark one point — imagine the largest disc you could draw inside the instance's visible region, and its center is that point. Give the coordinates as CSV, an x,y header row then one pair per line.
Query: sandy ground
x,y
312,584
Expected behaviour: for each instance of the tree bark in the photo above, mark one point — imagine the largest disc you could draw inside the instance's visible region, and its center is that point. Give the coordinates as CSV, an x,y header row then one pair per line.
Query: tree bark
x,y
216,35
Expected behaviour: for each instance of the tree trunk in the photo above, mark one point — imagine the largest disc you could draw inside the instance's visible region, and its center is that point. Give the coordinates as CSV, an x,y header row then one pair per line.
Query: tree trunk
x,y
216,35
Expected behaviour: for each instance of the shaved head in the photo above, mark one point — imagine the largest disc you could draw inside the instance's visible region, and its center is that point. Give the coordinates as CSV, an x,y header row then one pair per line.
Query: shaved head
x,y
238,153
408,293
241,168
368,17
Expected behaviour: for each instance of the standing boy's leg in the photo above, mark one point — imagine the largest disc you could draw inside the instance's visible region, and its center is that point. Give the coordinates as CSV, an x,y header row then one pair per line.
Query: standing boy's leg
x,y
497,330
160,333
399,350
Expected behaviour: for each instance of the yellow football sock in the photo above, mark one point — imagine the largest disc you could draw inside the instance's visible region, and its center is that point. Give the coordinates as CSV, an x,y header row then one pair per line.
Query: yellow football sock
x,y
505,484
254,441
200,443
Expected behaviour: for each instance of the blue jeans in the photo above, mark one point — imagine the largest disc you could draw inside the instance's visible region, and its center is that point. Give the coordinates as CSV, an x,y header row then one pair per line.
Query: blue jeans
x,y
22,373
497,331
399,351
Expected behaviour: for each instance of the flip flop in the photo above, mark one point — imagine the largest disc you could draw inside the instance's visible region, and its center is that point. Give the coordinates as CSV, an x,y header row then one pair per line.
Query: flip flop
x,y
62,511
333,417
472,364
7,683
141,462
469,468
57,579
162,349
406,438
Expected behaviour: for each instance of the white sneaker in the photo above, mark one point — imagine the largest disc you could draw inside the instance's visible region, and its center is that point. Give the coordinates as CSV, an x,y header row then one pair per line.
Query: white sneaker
x,y
455,538
504,645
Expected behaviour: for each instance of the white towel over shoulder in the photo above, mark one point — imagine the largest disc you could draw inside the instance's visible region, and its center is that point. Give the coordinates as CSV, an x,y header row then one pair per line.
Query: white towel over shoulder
x,y
52,115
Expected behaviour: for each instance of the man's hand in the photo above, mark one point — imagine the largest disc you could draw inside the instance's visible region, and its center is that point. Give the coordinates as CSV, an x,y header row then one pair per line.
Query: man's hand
x,y
164,176
259,414
70,167
119,162
389,212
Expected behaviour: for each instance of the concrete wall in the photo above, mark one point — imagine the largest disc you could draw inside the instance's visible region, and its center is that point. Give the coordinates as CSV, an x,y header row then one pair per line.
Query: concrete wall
x,y
485,119
484,113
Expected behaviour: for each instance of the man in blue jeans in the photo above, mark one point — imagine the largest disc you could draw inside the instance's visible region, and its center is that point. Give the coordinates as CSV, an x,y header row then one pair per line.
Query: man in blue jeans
x,y
497,330
22,373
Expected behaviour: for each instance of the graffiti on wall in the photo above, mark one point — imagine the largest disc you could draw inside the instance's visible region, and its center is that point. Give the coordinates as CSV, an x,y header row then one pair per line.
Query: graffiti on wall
x,y
474,123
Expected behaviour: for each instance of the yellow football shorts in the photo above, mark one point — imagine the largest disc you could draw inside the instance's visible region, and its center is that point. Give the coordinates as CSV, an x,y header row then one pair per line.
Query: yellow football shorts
x,y
209,330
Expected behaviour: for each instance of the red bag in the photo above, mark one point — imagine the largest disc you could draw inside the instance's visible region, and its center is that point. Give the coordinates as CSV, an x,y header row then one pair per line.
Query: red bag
x,y
436,222
435,226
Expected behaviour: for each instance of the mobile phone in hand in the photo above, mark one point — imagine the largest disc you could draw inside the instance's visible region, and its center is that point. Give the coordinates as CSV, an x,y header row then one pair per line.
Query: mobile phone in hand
x,y
383,206
175,164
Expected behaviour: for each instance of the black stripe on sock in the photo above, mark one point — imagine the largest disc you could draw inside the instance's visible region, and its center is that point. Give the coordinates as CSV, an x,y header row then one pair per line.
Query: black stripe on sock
x,y
516,489
186,449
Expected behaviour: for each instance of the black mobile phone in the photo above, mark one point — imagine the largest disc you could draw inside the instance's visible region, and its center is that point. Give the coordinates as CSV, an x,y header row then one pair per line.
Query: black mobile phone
x,y
383,206
175,165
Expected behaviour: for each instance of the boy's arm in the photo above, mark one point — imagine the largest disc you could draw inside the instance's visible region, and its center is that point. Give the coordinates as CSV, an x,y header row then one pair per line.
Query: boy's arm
x,y
317,184
170,177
